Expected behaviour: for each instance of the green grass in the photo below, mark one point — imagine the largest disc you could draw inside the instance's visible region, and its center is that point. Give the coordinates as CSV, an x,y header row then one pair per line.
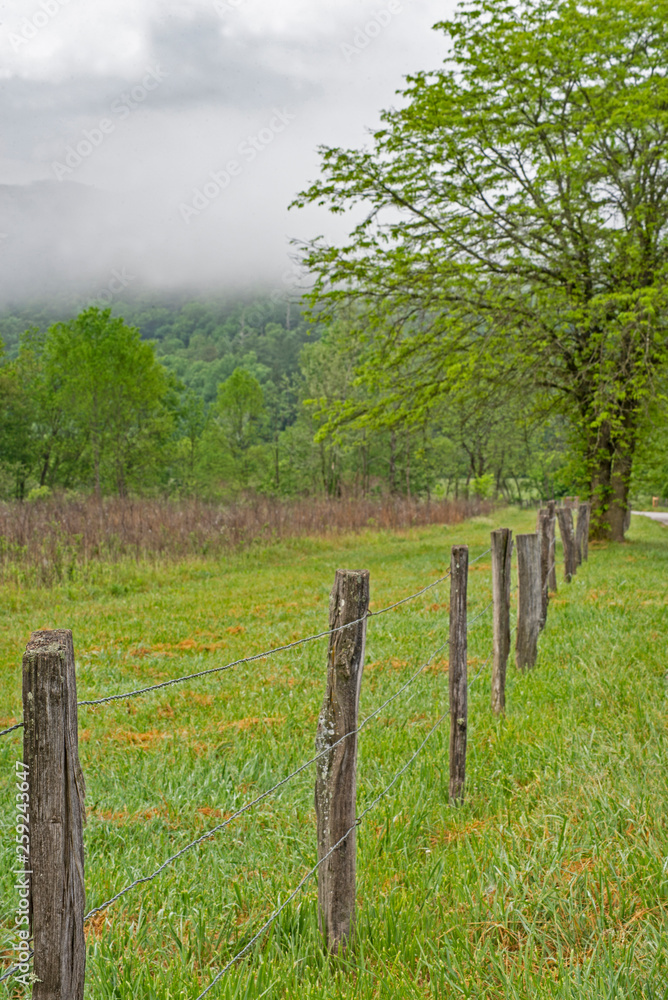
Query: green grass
x,y
551,880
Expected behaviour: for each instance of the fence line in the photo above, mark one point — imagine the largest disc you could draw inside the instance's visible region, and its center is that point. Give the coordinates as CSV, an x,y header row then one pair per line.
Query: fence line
x,y
269,652
467,627
255,656
313,870
250,659
293,774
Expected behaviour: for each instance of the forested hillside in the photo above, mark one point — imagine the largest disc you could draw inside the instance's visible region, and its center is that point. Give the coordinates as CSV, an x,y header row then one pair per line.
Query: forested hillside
x,y
217,398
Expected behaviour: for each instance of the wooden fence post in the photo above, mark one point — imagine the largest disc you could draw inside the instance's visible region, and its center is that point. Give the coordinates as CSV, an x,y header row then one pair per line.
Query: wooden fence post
x,y
565,515
57,790
552,574
336,778
529,600
458,680
582,533
502,548
544,521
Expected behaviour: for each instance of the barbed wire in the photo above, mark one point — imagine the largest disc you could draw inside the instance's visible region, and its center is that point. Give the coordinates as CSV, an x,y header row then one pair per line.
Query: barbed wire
x,y
19,725
277,912
293,774
483,612
269,652
480,670
15,968
256,656
249,805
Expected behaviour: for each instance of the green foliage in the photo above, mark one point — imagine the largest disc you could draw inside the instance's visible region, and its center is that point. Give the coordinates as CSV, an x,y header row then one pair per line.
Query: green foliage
x,y
111,394
239,405
515,225
85,404
269,425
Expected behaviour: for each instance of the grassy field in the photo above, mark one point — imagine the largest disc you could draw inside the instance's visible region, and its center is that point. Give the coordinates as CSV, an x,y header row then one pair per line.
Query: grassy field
x,y
551,880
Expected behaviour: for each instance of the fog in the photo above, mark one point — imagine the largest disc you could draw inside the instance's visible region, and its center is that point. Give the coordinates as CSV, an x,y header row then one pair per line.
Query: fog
x,y
157,145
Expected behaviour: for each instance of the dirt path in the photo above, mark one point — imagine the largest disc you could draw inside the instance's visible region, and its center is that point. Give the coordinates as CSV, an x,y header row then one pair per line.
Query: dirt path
x,y
661,518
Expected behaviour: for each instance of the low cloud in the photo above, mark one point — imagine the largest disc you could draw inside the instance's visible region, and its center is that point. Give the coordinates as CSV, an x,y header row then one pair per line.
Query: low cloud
x,y
103,161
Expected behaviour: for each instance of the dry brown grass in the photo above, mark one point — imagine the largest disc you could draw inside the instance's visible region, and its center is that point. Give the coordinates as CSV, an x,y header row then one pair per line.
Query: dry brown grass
x,y
49,539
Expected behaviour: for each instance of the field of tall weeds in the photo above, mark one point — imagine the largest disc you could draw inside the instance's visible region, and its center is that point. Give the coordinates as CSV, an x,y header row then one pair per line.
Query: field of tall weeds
x,y
48,541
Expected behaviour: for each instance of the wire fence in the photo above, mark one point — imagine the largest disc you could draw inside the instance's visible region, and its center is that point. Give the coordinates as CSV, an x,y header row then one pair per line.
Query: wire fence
x,y
277,912
144,879
312,871
255,656
293,774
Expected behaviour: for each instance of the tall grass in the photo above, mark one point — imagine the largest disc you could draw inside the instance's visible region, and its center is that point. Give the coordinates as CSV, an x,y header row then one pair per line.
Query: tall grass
x,y
45,541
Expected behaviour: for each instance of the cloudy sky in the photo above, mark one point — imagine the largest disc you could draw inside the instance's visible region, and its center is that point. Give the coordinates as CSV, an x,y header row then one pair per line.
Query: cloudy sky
x,y
157,143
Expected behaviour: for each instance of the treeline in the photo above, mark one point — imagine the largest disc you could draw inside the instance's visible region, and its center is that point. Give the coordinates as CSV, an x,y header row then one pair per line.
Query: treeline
x,y
217,400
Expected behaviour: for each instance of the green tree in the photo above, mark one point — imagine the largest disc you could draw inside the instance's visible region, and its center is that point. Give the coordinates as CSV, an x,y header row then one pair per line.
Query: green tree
x,y
40,444
192,421
239,405
111,389
17,443
516,223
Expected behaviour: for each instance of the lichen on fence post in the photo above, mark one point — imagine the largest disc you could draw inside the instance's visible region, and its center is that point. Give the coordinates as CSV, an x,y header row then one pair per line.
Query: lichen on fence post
x,y
565,515
502,547
458,680
335,787
529,601
56,855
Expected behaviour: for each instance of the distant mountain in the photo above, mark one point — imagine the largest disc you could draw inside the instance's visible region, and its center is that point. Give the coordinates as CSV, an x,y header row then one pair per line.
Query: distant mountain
x,y
51,239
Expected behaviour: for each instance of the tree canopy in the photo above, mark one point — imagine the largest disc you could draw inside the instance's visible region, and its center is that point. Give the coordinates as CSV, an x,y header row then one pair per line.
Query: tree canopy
x,y
206,436
515,225
88,393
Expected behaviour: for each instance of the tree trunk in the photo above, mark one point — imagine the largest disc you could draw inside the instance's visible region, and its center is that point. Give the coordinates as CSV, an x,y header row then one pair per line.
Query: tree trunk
x,y
393,462
612,463
408,463
98,492
323,469
45,467
600,453
620,483
276,468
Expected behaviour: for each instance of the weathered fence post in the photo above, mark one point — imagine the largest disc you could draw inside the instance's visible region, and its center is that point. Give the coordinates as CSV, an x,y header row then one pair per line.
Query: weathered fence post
x,y
552,573
336,781
458,680
57,790
544,521
529,600
582,533
502,548
565,515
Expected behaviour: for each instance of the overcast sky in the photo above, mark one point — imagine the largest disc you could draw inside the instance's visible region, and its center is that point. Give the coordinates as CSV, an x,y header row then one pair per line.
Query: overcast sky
x,y
152,143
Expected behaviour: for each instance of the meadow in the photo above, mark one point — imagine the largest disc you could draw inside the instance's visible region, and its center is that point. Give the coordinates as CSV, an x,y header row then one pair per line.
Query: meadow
x,y
550,880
